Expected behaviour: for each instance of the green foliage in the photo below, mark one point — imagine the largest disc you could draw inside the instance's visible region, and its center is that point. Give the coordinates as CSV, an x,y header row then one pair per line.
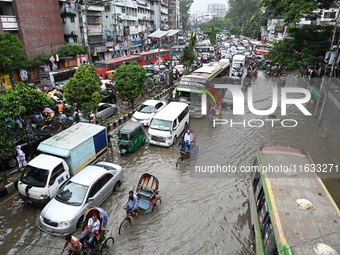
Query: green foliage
x,y
71,50
40,59
293,10
20,101
130,80
184,7
211,30
12,53
306,46
239,15
82,90
188,56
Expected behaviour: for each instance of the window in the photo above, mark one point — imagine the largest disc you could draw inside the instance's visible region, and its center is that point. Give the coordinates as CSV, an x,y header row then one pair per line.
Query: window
x,y
105,179
95,189
72,19
56,173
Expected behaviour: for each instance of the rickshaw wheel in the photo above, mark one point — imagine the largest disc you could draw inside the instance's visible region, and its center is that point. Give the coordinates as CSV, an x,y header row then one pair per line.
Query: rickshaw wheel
x,y
156,204
179,160
124,225
107,246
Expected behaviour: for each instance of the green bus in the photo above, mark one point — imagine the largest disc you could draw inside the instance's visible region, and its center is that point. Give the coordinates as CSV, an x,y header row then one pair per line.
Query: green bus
x,y
291,210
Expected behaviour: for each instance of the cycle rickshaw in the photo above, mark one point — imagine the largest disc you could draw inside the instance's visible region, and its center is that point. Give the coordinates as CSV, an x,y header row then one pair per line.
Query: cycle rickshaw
x,y
103,244
148,198
192,148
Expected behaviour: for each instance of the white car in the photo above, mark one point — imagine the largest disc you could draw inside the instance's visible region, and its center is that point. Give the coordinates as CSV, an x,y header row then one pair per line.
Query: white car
x,y
182,69
147,110
88,188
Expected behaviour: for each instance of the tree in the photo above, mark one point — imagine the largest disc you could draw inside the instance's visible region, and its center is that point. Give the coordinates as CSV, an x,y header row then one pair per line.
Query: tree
x,y
184,7
211,30
18,104
71,50
82,90
12,53
130,80
188,56
293,10
305,46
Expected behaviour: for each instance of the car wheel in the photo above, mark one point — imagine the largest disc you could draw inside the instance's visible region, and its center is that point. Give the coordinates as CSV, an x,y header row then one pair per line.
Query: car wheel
x,y
117,186
80,221
115,111
12,163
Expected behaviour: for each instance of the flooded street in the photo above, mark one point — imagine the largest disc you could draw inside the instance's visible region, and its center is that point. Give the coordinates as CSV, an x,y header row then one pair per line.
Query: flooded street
x,y
200,213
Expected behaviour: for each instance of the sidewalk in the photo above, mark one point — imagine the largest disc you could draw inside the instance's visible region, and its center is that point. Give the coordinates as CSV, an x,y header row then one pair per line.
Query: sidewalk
x,y
12,186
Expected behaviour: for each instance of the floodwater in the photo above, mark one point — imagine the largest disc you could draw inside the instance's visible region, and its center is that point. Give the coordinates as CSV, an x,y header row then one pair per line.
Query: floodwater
x,y
200,213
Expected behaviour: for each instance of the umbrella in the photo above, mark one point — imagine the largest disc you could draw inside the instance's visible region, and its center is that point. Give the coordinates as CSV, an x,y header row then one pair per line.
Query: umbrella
x,y
47,110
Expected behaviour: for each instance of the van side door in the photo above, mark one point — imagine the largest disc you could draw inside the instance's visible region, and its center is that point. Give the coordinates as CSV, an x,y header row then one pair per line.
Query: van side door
x,y
57,178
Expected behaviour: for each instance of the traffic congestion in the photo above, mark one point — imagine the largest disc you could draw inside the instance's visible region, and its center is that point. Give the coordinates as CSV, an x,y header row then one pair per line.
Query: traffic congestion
x,y
141,188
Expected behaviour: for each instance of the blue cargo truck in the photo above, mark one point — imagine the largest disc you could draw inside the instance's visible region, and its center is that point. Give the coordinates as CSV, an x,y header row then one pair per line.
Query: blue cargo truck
x,y
62,156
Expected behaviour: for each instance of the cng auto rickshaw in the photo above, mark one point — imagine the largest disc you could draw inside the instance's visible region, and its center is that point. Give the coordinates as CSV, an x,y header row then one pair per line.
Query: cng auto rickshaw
x,y
131,136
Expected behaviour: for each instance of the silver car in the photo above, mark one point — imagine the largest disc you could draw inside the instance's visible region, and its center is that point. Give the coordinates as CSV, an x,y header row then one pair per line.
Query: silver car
x,y
90,187
105,110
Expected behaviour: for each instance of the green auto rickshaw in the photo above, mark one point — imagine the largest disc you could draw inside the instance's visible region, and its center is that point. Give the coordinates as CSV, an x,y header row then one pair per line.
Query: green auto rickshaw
x,y
131,136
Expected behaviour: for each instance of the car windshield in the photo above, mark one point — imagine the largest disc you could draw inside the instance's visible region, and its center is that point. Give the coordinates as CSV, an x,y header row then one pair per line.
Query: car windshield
x,y
145,108
124,136
237,65
34,176
164,125
72,193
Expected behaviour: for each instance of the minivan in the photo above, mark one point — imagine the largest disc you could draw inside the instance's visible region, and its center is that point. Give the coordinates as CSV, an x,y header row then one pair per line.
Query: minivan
x,y
168,124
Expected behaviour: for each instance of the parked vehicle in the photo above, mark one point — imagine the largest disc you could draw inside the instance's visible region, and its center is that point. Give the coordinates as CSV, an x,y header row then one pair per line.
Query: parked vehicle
x,y
168,124
105,110
146,111
28,146
131,136
89,188
63,155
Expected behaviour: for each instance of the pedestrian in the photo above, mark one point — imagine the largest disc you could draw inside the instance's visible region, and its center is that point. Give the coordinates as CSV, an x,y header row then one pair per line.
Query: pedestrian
x,y
45,89
60,108
109,144
21,157
75,245
76,117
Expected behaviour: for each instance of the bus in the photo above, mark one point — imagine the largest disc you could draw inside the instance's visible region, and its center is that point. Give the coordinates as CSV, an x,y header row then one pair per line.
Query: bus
x,y
152,56
176,51
111,64
291,210
263,48
197,88
204,49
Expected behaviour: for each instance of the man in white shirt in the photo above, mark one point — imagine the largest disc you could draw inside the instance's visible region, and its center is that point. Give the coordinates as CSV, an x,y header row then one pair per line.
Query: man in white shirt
x,y
93,228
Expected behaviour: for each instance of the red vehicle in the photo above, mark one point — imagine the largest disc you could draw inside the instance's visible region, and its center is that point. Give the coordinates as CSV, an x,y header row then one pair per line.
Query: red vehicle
x,y
111,64
263,48
150,57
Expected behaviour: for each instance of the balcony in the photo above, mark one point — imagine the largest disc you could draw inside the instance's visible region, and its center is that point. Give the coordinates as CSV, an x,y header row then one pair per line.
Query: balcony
x,y
9,22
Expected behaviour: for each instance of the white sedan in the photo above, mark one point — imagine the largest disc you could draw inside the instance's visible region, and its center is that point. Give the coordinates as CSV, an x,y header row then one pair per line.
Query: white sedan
x,y
147,110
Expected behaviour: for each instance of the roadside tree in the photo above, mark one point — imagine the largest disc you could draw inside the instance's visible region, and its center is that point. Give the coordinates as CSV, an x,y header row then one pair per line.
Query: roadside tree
x,y
12,53
188,57
71,50
82,90
130,81
16,107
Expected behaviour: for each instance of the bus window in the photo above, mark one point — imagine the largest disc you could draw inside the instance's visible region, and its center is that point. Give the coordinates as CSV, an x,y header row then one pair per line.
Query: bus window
x,y
269,242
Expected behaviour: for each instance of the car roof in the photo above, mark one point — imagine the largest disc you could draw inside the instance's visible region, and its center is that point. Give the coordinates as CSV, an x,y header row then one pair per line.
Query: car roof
x,y
151,102
88,175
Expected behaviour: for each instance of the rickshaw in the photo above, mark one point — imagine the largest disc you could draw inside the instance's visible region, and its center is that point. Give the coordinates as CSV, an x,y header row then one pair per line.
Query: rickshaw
x,y
192,148
102,244
148,198
131,136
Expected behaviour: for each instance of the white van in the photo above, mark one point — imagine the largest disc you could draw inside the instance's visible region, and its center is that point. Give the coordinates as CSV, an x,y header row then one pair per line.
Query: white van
x,y
168,124
238,61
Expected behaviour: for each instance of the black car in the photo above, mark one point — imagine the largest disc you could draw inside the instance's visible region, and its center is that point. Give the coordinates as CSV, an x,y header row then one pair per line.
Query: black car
x,y
28,146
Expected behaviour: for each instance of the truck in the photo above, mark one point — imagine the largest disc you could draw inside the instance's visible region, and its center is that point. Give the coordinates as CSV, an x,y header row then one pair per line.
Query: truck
x,y
62,156
238,62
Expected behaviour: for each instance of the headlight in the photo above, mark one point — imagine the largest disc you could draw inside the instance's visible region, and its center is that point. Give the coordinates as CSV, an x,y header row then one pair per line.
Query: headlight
x,y
44,196
65,223
41,217
168,138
